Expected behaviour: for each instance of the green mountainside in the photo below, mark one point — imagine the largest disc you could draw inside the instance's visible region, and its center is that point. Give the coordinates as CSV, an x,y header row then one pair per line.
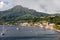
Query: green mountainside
x,y
19,13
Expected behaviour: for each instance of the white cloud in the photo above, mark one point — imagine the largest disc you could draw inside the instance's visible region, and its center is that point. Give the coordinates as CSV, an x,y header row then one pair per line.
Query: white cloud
x,y
1,4
5,5
51,6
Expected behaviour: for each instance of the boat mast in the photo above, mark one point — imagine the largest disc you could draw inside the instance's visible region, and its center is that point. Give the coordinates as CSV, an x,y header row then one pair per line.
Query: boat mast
x,y
3,29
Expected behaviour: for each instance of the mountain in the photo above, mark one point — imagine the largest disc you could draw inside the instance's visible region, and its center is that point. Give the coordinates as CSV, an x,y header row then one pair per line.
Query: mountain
x,y
18,13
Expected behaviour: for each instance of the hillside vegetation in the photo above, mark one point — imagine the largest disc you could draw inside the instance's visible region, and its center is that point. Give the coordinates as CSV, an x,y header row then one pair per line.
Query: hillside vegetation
x,y
19,13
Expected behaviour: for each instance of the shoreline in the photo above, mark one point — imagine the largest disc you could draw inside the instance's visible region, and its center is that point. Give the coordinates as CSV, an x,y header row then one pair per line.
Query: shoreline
x,y
36,25
57,30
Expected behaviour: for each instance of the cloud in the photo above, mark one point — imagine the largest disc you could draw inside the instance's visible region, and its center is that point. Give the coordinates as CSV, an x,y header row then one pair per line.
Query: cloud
x,y
1,4
50,6
5,5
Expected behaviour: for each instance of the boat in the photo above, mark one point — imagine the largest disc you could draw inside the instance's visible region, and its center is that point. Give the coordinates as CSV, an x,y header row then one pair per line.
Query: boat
x,y
2,34
3,31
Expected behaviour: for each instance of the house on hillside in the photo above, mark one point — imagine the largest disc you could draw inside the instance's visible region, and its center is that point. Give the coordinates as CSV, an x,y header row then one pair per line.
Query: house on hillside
x,y
51,25
45,24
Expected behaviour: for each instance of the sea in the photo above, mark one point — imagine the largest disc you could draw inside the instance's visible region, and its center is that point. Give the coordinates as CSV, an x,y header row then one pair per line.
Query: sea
x,y
27,33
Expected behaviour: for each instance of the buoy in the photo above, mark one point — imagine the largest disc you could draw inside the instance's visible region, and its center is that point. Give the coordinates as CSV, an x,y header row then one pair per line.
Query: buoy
x,y
17,28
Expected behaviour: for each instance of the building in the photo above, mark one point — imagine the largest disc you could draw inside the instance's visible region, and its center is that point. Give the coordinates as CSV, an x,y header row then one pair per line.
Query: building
x,y
51,25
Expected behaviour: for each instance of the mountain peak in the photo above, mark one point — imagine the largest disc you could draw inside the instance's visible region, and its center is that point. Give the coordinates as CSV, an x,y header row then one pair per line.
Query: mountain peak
x,y
18,6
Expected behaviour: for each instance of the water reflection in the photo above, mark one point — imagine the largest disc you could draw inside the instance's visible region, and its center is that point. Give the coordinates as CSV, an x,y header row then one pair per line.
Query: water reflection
x,y
28,33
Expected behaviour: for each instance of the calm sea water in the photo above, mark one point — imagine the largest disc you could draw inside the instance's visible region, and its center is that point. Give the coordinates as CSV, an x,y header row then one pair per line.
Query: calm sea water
x,y
28,33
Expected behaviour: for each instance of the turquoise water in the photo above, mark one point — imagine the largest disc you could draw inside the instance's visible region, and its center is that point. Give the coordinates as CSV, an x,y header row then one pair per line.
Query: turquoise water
x,y
28,33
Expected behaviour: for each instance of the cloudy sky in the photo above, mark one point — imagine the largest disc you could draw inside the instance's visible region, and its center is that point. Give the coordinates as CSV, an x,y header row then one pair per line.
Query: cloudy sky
x,y
49,6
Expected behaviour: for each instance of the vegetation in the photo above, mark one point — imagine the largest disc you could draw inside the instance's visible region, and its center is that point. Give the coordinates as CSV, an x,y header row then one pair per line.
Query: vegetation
x,y
22,14
57,27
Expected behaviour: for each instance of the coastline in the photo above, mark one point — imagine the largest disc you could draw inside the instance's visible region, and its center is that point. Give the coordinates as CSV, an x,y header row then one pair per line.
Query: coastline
x,y
41,25
57,30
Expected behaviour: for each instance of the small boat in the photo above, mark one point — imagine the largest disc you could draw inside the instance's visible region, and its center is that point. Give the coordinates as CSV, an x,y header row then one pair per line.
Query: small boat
x,y
3,31
2,34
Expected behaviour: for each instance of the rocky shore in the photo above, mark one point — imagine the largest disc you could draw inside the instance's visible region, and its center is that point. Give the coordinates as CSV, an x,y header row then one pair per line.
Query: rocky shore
x,y
57,30
42,25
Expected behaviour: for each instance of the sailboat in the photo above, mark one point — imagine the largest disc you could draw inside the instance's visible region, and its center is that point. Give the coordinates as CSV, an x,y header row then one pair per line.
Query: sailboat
x,y
3,31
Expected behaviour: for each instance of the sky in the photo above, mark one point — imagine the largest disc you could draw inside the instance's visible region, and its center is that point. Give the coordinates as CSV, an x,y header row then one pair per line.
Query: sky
x,y
49,6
